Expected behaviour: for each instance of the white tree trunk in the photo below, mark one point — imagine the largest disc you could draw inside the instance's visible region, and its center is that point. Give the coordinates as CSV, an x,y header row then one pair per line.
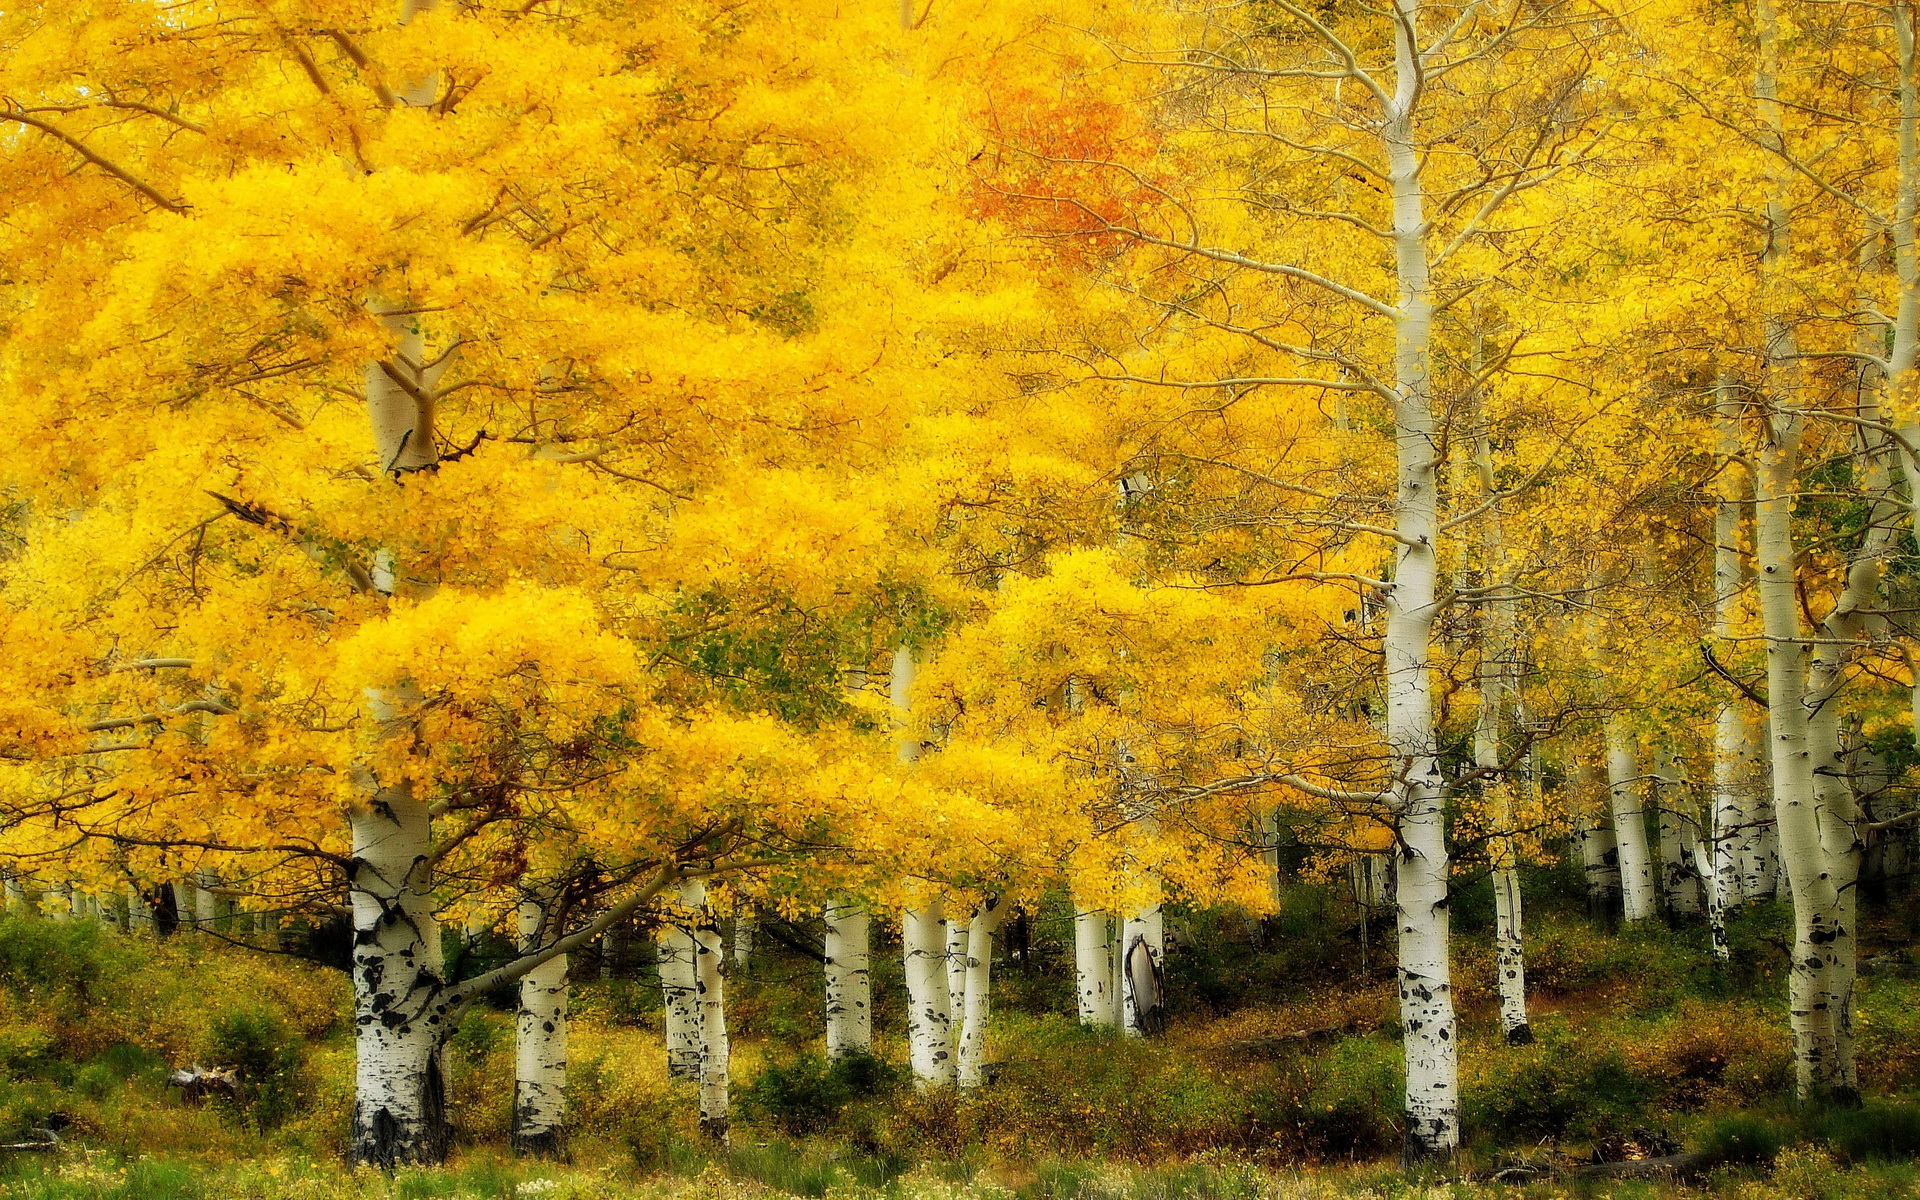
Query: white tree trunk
x,y
1093,966
957,971
1509,944
679,999
1430,1032
1625,792
400,1015
1759,850
744,928
540,1045
929,1000
1599,855
206,901
1679,884
1727,832
710,986
849,982
977,984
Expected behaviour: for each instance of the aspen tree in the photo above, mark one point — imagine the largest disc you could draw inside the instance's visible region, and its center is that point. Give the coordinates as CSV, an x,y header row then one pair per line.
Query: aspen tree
x,y
540,1039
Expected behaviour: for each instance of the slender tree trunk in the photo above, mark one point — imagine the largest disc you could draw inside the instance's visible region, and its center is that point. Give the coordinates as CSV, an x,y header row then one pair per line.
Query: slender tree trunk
x,y
1760,850
977,981
709,960
849,982
957,972
680,1000
929,1000
1093,966
1430,1033
1679,884
1625,791
744,928
1496,647
540,1046
1599,855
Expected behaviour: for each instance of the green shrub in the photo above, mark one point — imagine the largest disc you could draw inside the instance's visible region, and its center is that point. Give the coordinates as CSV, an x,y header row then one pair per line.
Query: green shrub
x,y
269,1057
1886,1132
1740,1139
1354,1099
1565,1085
807,1093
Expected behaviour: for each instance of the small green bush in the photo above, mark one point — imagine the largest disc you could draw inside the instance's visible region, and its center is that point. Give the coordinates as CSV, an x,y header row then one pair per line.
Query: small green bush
x,y
1883,1132
269,1057
808,1093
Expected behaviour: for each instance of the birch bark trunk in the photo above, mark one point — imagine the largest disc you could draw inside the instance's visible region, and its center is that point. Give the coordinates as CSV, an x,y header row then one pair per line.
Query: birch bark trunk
x,y
679,998
1496,681
929,998
1679,884
540,1045
1093,966
1628,807
400,1014
715,1061
1430,1032
1599,855
977,981
849,981
1143,998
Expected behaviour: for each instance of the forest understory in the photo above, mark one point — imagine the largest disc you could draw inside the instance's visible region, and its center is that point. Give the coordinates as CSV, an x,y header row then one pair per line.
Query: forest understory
x,y
1278,1075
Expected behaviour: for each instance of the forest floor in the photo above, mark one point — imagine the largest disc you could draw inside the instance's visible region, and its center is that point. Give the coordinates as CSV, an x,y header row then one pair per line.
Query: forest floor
x,y
1278,1079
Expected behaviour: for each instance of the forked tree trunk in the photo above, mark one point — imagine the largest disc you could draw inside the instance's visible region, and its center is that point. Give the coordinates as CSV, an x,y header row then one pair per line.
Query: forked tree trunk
x,y
849,981
540,1046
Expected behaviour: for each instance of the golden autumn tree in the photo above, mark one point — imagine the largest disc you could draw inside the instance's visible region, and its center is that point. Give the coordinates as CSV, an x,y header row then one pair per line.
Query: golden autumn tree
x,y
402,390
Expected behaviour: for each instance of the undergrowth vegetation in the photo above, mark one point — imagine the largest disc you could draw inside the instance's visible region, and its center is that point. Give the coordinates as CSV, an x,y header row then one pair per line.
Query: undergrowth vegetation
x,y
1641,1038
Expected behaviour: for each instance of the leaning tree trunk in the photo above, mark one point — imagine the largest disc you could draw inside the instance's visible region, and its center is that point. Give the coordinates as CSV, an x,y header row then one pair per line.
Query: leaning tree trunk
x,y
1142,972
929,999
1625,792
977,968
849,982
540,1045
